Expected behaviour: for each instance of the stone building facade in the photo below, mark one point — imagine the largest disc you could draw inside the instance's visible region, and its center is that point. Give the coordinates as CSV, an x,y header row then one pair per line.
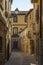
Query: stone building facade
x,y
4,28
25,30
27,34
37,16
39,3
32,33
19,25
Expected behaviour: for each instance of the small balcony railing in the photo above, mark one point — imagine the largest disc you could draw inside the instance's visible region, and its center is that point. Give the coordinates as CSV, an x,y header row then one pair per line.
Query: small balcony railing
x,y
15,35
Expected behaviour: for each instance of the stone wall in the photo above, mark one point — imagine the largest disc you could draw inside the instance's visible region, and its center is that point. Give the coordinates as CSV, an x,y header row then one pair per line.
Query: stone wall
x,y
3,35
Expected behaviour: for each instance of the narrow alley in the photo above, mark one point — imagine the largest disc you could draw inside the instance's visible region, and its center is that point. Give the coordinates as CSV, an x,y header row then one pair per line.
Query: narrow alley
x,y
21,32
19,58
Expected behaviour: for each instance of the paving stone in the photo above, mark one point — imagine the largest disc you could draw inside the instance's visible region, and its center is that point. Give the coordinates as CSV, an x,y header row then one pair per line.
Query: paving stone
x,y
19,58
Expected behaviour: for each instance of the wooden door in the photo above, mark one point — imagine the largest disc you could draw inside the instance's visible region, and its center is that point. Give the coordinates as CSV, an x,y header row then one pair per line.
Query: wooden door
x,y
15,44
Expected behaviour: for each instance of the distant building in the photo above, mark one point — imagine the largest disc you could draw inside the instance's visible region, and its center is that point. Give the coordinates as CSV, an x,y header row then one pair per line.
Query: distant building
x,y
19,24
25,33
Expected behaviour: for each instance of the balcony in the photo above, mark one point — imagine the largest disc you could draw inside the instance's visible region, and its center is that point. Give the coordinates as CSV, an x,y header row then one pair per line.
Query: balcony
x,y
34,1
15,35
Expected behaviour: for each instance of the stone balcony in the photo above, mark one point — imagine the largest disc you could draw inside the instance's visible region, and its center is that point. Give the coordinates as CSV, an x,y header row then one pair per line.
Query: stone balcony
x,y
15,35
34,1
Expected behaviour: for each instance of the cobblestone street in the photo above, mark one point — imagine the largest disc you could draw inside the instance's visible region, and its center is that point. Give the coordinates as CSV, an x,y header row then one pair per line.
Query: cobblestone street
x,y
18,58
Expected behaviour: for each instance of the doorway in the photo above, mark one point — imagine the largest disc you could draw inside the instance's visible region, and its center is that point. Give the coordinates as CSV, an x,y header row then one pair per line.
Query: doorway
x,y
32,46
15,44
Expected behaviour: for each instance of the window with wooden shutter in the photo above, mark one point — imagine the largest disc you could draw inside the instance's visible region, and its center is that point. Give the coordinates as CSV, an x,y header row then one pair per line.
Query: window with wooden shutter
x,y
37,14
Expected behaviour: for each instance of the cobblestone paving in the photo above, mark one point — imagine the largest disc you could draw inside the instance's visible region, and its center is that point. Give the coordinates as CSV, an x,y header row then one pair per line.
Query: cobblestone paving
x,y
19,58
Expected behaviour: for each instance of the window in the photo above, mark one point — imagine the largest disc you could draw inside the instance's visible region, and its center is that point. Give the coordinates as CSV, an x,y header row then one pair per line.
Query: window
x,y
15,30
32,46
26,19
28,34
0,44
37,14
34,5
15,18
33,26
